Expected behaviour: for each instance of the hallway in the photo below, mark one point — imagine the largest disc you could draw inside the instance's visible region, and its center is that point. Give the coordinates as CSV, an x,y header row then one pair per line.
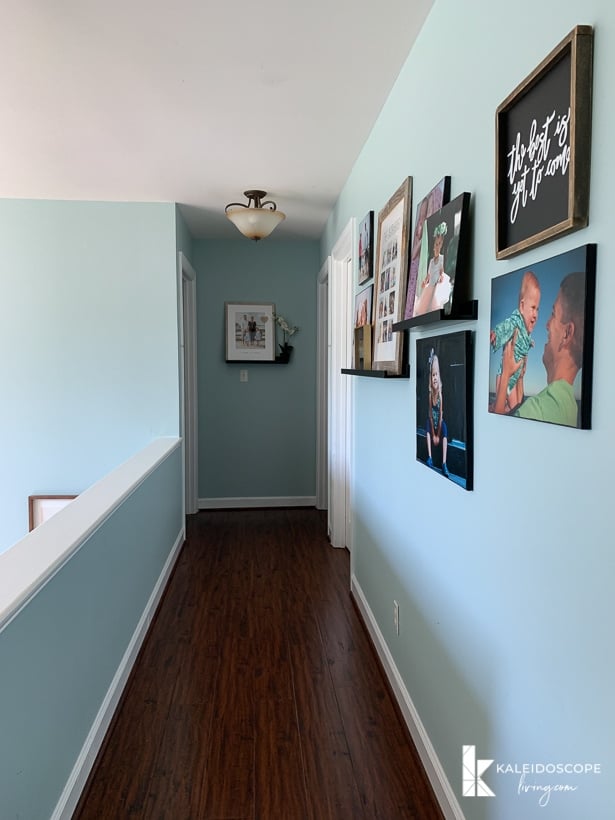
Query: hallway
x,y
257,693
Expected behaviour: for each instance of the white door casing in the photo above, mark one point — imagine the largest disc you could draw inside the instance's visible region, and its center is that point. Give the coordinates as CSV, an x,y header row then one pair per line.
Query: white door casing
x,y
188,381
340,388
322,393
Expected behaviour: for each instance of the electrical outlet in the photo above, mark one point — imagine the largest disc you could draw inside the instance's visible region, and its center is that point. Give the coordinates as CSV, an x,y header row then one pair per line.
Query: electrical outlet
x,y
243,375
396,617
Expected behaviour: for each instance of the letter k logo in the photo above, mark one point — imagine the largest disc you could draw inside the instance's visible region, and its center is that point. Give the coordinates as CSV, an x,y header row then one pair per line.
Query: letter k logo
x,y
472,769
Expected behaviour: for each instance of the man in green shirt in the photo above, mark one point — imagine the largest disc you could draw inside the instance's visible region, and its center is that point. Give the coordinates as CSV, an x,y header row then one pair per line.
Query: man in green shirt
x,y
562,358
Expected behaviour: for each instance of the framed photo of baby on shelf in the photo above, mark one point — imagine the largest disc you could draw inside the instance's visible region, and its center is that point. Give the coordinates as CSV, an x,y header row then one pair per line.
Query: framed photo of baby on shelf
x,y
439,195
442,279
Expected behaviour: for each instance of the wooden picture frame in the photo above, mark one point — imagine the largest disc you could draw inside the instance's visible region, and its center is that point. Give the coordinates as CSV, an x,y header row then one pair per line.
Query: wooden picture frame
x,y
448,447
249,331
42,507
362,350
391,279
553,349
439,195
365,269
543,146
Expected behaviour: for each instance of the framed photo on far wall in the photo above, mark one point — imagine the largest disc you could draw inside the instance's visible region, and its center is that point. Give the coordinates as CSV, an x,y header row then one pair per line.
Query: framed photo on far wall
x,y
541,340
391,279
431,202
442,276
366,249
444,408
249,331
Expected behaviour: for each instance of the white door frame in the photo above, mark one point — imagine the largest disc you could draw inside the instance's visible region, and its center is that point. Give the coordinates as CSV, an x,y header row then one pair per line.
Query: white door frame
x,y
322,393
188,376
340,387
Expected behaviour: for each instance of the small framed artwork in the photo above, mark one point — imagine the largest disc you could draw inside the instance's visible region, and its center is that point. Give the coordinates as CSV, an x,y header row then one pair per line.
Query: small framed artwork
x,y
391,279
363,348
444,410
42,507
366,248
541,340
363,307
431,202
442,276
250,331
543,143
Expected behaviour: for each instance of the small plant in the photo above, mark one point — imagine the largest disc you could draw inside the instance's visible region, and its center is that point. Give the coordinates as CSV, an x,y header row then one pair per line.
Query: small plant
x,y
287,329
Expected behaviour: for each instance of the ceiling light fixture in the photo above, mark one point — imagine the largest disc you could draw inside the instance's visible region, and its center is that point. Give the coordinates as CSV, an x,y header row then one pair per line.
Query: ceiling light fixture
x,y
257,219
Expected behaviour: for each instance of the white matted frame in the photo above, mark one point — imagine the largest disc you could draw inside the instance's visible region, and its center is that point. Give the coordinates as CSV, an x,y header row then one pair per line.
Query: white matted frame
x,y
249,331
42,507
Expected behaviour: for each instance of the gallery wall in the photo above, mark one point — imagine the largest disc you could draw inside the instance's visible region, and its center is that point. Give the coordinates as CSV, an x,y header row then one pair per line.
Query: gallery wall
x,y
88,323
257,439
504,593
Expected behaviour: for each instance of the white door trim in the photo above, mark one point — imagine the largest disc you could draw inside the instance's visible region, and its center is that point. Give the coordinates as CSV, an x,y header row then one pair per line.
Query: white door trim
x,y
340,387
188,381
322,370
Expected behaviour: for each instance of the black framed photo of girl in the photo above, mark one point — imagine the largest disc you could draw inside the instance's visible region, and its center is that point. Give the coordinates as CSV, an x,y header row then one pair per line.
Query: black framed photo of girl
x,y
444,418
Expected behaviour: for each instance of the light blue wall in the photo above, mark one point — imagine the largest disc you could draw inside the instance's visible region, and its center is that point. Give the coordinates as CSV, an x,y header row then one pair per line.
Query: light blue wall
x,y
88,330
256,438
60,653
505,593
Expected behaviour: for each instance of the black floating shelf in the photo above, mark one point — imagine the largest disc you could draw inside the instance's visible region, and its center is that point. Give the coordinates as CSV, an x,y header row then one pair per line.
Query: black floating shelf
x,y
463,313
278,360
377,374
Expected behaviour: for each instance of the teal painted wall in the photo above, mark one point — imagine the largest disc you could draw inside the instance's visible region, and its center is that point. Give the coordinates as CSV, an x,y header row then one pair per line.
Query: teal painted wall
x,y
505,593
256,438
184,237
88,330
60,653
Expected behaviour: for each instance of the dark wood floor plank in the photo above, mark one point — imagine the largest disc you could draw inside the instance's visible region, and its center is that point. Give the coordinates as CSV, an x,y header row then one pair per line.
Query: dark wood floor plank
x,y
257,694
280,785
329,775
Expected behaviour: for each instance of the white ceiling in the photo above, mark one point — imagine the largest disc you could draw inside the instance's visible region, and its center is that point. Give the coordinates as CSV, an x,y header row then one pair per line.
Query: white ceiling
x,y
195,101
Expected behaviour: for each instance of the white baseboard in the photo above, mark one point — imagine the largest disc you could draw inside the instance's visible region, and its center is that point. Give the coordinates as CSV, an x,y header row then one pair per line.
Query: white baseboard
x,y
81,770
249,503
433,768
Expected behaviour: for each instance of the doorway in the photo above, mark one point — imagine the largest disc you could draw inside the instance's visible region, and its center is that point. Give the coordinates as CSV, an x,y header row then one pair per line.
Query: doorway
x,y
340,315
188,382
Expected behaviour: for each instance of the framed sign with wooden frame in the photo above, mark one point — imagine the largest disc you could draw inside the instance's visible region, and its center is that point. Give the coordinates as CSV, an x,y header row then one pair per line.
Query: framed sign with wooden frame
x,y
543,146
391,279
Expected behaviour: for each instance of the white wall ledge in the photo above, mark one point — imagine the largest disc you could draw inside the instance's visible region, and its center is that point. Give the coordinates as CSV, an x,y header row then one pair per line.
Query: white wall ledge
x,y
32,561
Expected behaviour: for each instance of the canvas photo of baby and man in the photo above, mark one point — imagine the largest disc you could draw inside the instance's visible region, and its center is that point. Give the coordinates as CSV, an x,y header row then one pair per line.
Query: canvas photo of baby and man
x,y
541,340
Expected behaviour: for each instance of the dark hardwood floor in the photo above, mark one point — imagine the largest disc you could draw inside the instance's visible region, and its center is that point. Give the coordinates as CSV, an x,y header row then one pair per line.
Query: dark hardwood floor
x,y
257,693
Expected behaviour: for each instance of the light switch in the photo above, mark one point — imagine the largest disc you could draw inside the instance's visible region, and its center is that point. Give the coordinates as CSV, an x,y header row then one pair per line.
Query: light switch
x,y
243,375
